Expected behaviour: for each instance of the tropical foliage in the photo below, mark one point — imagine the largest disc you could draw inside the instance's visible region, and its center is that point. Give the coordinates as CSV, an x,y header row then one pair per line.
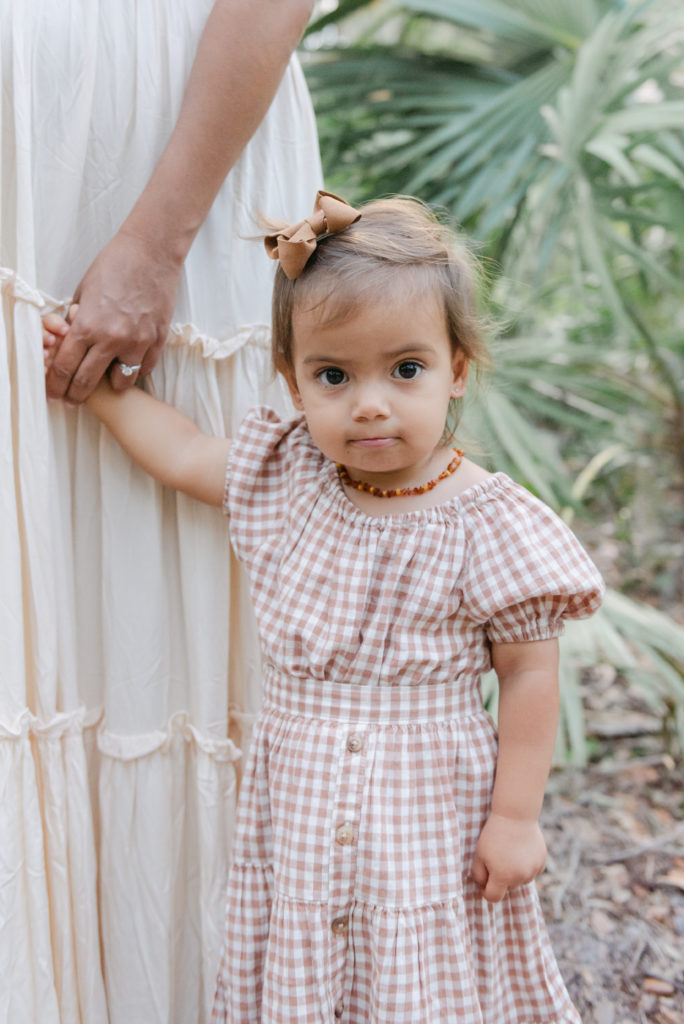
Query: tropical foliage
x,y
554,133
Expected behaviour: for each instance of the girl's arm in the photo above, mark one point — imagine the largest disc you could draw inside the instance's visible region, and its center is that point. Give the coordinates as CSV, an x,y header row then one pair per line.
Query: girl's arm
x,y
164,442
511,849
127,295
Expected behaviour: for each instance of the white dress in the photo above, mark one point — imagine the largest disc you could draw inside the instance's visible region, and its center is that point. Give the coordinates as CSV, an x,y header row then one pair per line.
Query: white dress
x,y
126,630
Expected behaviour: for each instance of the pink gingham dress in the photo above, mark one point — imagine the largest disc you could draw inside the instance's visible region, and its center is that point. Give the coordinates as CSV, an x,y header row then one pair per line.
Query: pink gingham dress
x,y
371,765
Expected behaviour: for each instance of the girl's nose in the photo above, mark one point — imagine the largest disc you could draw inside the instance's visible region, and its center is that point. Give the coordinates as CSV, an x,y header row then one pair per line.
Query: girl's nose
x,y
370,403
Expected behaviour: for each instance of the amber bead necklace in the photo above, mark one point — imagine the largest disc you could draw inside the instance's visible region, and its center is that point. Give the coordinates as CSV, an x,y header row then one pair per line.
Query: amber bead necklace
x,y
400,492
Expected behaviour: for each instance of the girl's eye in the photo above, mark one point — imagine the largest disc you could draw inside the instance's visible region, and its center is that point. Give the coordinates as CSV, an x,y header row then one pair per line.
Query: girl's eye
x,y
408,370
332,376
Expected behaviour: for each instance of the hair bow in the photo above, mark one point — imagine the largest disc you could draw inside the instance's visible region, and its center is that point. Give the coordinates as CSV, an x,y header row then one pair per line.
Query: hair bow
x,y
294,245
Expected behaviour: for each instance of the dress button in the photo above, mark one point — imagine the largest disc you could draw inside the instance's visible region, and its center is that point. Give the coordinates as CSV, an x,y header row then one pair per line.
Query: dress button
x,y
354,743
344,835
339,925
339,1009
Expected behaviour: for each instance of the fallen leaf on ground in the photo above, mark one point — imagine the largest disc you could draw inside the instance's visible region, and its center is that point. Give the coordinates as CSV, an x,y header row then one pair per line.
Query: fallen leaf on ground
x,y
674,877
658,986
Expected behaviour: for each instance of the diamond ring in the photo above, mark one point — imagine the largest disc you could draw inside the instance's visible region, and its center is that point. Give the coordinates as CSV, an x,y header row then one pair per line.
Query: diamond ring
x,y
127,370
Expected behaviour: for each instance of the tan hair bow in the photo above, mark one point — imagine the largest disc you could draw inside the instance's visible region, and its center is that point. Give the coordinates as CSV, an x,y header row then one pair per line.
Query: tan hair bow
x,y
294,245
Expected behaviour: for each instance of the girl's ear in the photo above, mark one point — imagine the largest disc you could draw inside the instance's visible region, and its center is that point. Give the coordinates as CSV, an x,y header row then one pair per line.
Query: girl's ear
x,y
291,382
460,367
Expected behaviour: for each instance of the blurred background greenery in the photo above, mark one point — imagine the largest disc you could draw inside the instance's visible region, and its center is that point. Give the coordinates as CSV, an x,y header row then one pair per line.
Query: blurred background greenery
x,y
553,133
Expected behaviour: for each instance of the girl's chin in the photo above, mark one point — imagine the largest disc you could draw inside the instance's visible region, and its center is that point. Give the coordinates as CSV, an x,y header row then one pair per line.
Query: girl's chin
x,y
385,477
382,466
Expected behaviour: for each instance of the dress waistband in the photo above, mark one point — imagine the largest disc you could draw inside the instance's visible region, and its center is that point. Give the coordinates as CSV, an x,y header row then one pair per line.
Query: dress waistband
x,y
389,705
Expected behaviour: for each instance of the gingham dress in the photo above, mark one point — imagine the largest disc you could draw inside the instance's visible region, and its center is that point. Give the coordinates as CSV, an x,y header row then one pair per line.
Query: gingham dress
x,y
371,765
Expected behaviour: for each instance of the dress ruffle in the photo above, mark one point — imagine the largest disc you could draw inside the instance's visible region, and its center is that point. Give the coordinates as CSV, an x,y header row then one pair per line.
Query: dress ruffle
x,y
172,789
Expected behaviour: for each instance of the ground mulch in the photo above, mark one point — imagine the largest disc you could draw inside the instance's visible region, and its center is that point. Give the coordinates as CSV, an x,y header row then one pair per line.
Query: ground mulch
x,y
613,891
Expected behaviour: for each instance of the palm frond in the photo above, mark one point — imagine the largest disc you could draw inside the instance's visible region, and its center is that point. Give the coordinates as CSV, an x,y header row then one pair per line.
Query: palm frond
x,y
554,133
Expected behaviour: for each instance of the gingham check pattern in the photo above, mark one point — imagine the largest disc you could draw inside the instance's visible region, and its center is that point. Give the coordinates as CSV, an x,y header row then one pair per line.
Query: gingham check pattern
x,y
349,897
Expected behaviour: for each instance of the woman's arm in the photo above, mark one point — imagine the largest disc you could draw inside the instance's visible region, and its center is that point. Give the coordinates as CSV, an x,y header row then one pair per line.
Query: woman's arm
x,y
511,848
126,297
164,442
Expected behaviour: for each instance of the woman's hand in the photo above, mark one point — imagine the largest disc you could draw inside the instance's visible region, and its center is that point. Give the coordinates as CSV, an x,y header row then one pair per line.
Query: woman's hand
x,y
125,302
127,296
509,852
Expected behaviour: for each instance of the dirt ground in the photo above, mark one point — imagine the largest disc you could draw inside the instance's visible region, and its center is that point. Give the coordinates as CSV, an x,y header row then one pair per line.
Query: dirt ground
x,y
613,891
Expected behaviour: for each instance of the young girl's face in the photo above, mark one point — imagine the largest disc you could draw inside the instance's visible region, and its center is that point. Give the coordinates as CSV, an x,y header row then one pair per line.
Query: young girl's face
x,y
376,387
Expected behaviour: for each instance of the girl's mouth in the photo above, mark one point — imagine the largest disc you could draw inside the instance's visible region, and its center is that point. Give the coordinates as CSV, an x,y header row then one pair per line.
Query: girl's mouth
x,y
373,442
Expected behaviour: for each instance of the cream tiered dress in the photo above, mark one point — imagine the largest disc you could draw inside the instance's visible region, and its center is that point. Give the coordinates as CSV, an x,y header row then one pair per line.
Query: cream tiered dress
x,y
127,639
371,767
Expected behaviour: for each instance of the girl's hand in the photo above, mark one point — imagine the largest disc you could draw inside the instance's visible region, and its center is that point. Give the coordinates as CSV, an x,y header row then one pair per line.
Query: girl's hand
x,y
55,330
509,852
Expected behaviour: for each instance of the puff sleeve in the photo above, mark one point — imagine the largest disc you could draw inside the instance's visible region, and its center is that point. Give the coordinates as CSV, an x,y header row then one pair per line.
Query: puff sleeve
x,y
525,570
272,464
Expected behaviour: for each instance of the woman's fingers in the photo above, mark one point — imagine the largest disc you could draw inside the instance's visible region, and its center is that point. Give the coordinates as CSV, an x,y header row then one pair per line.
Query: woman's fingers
x,y
85,354
66,364
127,367
123,373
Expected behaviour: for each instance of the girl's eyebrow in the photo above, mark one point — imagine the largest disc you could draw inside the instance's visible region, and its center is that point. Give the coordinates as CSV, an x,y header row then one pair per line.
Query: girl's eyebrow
x,y
419,347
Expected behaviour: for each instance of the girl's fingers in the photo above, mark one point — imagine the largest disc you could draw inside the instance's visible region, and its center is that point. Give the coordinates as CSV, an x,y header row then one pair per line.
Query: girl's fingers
x,y
494,891
478,871
55,324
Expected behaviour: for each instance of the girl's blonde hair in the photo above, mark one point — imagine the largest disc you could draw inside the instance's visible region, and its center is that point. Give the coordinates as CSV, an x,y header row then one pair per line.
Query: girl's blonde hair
x,y
398,248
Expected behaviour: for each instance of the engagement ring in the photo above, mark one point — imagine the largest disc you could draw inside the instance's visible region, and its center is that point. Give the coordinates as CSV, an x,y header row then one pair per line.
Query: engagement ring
x,y
127,370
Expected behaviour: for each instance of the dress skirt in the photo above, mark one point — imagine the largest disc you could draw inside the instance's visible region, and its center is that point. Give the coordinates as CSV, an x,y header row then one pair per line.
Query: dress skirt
x,y
130,660
349,894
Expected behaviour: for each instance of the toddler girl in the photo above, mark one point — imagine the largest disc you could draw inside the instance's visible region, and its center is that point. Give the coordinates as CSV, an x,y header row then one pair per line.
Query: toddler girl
x,y
387,843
